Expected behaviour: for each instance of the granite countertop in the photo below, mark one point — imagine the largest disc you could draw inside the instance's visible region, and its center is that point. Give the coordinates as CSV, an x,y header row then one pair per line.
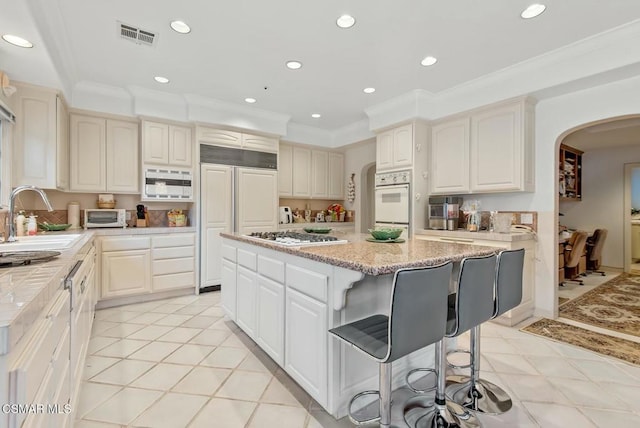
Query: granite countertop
x,y
375,258
486,235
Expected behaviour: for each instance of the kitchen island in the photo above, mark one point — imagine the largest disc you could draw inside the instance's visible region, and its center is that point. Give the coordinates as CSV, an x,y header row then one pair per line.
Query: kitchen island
x,y
287,297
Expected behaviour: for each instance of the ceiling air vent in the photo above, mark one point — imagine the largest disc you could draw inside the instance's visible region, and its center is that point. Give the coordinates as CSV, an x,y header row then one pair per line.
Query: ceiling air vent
x,y
136,35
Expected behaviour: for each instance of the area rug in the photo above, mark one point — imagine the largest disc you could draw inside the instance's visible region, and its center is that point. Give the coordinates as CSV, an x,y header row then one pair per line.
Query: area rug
x,y
614,305
562,300
622,349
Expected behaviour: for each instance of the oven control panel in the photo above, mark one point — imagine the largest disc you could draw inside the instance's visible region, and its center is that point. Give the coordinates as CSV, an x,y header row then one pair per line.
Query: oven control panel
x,y
391,178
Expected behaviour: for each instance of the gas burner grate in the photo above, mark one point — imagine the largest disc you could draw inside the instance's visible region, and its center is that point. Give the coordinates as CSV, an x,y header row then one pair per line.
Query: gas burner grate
x,y
296,238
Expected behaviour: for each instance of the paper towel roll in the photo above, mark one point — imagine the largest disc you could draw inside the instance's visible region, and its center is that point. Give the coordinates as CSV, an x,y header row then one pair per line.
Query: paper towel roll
x,y
73,215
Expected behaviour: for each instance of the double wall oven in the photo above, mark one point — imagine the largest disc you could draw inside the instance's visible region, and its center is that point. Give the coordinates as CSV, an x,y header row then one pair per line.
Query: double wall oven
x,y
393,200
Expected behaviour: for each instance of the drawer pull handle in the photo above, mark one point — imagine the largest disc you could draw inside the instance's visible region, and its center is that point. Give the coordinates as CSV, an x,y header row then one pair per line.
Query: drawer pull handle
x,y
456,239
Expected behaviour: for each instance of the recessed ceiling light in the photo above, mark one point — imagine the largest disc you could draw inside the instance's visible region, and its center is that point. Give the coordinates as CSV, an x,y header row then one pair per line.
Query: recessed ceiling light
x,y
294,65
180,27
316,115
345,21
369,90
428,60
17,41
161,79
250,100
533,11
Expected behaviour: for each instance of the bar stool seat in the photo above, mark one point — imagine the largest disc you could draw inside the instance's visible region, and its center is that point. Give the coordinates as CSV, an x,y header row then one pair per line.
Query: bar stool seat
x,y
471,392
417,318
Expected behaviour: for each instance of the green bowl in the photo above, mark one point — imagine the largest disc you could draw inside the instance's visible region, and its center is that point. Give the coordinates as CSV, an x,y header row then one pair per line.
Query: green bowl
x,y
384,234
317,229
53,227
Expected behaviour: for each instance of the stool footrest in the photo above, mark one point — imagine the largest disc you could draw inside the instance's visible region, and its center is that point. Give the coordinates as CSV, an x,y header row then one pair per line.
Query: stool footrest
x,y
459,351
367,421
416,389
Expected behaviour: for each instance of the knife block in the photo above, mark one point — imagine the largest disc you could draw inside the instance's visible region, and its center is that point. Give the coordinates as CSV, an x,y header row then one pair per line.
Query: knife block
x,y
141,222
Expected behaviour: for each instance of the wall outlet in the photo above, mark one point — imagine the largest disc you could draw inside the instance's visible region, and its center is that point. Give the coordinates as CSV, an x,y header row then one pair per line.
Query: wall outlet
x,y
127,216
526,218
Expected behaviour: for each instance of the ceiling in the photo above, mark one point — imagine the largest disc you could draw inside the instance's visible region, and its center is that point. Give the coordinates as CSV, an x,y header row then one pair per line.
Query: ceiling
x,y
238,49
607,135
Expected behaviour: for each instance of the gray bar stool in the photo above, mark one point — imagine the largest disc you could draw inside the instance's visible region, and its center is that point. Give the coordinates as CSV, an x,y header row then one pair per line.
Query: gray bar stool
x,y
417,318
477,394
472,304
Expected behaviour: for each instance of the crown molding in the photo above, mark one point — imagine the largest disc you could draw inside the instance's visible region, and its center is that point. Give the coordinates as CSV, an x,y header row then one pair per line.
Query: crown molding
x,y
151,102
352,133
104,98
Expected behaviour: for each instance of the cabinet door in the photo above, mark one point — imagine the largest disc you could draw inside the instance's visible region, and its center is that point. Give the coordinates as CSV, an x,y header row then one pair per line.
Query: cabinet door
x,y
180,153
62,146
257,200
259,143
270,334
155,143
285,171
301,172
450,157
319,174
123,164
384,151
403,146
496,150
87,154
247,299
34,155
126,273
218,137
228,288
336,176
306,343
635,241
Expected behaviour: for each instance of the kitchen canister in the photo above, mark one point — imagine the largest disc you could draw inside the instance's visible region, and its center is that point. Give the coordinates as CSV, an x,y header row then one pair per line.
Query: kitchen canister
x,y
73,215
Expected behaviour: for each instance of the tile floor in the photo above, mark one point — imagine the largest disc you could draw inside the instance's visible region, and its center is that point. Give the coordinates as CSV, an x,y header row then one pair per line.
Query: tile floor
x,y
177,363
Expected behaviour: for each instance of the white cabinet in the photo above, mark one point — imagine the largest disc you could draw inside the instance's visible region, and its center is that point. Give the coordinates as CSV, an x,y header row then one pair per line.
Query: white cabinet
x,y
228,288
450,157
285,170
103,155
301,172
125,266
172,261
270,310
166,144
489,150
336,176
240,140
41,142
257,200
394,148
307,173
247,299
319,174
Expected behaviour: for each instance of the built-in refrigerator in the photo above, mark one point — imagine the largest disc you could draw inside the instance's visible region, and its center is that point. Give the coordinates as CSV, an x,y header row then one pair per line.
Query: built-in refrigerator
x,y
238,193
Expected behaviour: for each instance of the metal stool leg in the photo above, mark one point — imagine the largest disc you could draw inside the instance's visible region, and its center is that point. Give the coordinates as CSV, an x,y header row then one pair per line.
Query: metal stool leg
x,y
421,412
384,401
475,394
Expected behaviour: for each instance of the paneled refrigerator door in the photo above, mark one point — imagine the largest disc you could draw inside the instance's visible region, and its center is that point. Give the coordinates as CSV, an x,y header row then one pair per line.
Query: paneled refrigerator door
x,y
216,216
256,200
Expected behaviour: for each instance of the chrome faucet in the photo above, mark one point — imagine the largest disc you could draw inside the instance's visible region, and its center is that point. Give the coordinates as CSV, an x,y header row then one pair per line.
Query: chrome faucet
x,y
12,203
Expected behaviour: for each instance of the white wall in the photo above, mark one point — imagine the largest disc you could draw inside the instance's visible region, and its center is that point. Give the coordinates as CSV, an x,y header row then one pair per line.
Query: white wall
x,y
602,204
356,158
635,187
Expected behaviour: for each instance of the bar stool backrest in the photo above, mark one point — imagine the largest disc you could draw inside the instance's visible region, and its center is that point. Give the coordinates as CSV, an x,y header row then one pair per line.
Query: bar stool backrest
x,y
508,280
418,315
474,296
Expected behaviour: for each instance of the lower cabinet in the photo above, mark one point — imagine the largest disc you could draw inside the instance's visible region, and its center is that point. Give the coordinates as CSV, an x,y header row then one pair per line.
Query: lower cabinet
x,y
228,288
125,273
270,325
246,303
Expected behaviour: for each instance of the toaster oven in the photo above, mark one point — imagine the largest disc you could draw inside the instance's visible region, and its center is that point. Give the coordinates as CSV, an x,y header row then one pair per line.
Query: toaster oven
x,y
94,217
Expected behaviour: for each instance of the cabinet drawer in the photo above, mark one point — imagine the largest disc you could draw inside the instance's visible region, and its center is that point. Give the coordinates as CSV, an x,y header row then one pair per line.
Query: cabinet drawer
x,y
60,363
123,244
173,253
163,267
174,240
271,268
176,280
229,252
308,282
59,315
247,259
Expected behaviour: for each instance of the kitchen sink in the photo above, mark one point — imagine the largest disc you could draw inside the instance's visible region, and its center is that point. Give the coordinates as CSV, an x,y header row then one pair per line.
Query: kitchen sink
x,y
41,242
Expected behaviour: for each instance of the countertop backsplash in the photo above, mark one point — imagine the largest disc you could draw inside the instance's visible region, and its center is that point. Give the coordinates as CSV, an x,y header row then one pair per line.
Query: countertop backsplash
x,y
157,218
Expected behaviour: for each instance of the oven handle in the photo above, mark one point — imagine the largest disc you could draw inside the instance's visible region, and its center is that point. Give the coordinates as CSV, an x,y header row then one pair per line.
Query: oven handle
x,y
68,280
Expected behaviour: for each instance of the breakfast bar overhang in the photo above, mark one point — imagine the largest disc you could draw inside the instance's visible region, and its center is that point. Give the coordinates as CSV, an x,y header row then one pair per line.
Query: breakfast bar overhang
x,y
287,298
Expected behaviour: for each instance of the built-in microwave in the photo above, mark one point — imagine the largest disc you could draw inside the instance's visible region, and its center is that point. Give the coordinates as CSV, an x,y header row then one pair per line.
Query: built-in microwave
x,y
167,184
94,217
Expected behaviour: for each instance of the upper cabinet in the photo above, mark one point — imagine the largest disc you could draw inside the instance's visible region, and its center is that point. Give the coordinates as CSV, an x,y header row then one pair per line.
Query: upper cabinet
x,y
307,173
240,140
395,148
41,143
103,155
490,150
166,144
570,175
